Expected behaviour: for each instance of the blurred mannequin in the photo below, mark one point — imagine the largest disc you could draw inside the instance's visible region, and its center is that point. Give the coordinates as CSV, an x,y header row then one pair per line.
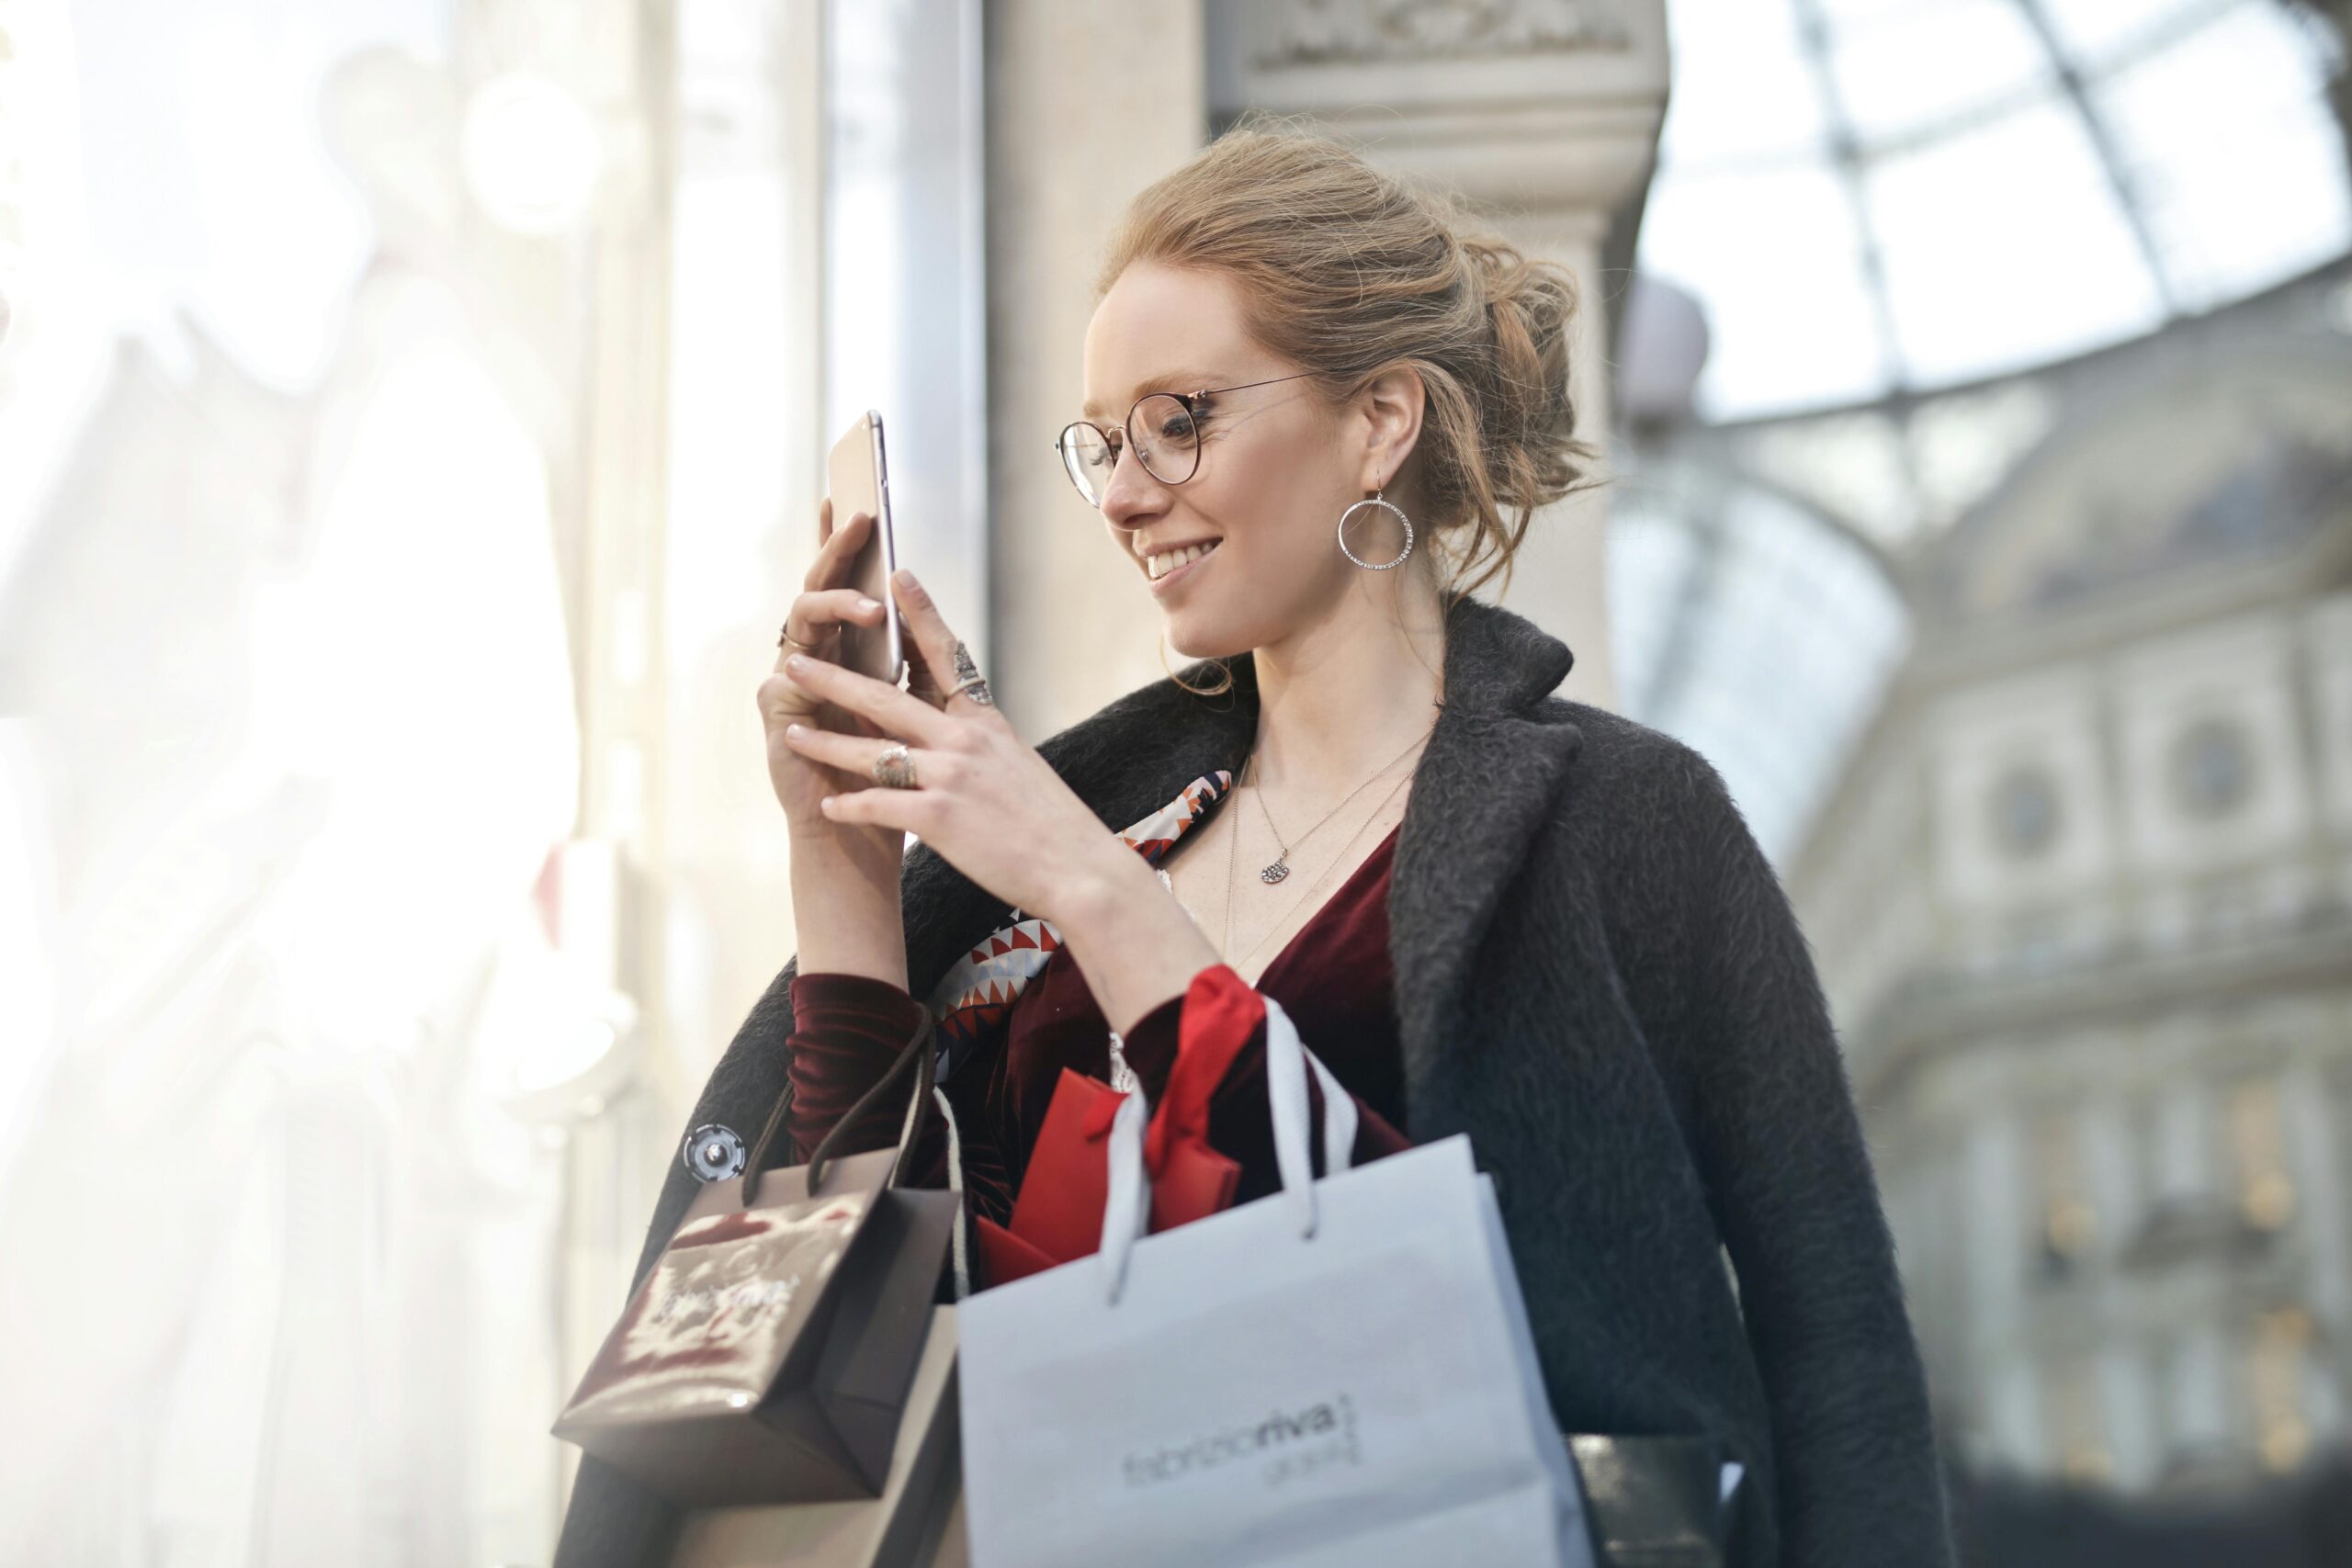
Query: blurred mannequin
x,y
255,1182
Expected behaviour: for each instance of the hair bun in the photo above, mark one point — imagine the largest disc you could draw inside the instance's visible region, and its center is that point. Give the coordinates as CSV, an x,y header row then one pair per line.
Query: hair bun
x,y
1530,417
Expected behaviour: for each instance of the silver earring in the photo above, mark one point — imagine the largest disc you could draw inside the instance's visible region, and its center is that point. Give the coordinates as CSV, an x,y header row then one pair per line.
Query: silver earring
x,y
1390,505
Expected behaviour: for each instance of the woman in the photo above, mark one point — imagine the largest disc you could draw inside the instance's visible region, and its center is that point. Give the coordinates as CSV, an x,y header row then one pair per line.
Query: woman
x,y
1490,910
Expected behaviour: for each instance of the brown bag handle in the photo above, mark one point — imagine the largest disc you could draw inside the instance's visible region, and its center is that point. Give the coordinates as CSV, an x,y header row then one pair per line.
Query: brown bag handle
x,y
923,1047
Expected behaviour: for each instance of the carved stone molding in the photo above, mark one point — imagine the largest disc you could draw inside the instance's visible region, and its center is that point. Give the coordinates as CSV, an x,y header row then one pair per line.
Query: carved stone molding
x,y
1535,104
1334,32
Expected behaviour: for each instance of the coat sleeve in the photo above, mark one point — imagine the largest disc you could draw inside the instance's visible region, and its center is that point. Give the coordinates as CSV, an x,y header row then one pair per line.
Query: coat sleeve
x,y
1779,1148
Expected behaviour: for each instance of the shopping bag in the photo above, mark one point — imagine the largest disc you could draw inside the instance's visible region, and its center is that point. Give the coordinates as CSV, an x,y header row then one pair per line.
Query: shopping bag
x,y
1341,1372
1058,1214
901,1529
768,1356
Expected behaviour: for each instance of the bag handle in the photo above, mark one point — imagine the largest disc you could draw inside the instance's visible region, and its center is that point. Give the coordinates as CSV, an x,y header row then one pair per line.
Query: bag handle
x,y
1126,1211
923,1048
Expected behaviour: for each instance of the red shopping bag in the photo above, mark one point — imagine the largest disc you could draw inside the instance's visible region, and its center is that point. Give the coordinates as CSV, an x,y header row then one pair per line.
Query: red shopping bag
x,y
1059,1215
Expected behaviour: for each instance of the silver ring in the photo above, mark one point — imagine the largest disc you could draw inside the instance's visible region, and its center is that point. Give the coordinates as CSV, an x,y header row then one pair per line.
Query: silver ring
x,y
968,678
1376,566
894,769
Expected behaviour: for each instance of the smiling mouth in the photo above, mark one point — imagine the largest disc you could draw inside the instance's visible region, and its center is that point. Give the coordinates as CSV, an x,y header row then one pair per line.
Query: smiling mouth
x,y
1158,566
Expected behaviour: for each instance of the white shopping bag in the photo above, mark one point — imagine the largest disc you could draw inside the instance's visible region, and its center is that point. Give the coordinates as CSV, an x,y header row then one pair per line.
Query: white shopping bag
x,y
1341,1372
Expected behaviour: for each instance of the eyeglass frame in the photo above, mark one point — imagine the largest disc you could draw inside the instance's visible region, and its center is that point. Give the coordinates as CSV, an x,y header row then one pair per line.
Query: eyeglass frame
x,y
1129,438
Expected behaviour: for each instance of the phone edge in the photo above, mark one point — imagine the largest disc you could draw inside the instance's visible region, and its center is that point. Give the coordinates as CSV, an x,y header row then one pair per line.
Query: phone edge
x,y
896,634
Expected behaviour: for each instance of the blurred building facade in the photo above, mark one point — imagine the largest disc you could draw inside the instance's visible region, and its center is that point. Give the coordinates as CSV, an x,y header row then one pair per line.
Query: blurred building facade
x,y
2084,902
1991,529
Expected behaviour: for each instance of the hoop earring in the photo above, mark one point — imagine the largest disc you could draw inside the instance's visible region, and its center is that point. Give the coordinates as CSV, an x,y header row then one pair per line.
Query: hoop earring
x,y
1391,506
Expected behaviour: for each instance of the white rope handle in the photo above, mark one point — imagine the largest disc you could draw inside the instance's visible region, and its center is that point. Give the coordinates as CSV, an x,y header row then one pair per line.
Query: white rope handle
x,y
1126,1213
956,1185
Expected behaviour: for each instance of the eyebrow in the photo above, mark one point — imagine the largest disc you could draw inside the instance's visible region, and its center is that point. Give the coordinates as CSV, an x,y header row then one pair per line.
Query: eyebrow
x,y
1166,382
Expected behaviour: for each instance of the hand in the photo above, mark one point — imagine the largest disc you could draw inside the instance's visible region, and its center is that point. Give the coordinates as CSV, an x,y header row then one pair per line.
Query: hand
x,y
815,622
1002,816
983,797
998,812
844,878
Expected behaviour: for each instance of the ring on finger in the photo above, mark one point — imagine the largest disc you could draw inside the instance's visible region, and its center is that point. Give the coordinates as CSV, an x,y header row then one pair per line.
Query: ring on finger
x,y
968,682
894,767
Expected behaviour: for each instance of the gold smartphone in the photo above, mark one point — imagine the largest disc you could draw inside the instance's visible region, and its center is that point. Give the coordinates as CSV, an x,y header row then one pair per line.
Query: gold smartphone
x,y
858,476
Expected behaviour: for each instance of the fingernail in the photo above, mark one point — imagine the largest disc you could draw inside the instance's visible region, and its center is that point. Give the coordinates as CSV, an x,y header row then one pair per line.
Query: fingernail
x,y
906,574
795,730
826,804
864,604
796,663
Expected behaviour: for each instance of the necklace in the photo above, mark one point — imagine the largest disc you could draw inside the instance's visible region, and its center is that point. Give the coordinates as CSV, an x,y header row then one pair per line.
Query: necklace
x,y
1225,944
1279,868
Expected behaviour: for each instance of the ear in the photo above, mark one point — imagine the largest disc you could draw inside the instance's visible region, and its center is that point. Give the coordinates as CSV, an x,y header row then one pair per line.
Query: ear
x,y
1390,407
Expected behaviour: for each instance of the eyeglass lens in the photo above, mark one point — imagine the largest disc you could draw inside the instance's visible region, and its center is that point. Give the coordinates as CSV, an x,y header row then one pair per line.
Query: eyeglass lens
x,y
1167,440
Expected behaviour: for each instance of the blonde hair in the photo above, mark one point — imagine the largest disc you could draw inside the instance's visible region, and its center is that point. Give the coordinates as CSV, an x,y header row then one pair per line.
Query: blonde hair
x,y
1348,272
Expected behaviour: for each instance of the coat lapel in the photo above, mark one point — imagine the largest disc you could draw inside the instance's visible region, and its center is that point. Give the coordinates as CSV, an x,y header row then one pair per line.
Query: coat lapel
x,y
1481,792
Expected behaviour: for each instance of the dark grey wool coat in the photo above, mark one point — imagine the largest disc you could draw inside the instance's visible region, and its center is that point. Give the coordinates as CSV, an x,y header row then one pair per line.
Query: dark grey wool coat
x,y
1600,980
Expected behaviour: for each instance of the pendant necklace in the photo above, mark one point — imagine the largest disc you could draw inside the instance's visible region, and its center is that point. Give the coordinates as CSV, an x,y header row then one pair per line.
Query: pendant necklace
x,y
1279,867
1225,945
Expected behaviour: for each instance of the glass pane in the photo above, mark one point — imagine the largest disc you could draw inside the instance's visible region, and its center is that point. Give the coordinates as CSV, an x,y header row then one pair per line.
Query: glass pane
x,y
1773,256
2239,165
1742,89
1865,11
1926,65
1773,652
904,312
1650,555
2006,247
2092,32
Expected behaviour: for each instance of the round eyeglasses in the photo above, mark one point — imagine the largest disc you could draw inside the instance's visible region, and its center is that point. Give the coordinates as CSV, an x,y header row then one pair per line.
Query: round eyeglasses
x,y
1164,429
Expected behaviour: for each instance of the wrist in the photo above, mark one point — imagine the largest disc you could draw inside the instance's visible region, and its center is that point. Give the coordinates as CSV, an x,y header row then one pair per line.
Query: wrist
x,y
1109,880
1132,940
846,913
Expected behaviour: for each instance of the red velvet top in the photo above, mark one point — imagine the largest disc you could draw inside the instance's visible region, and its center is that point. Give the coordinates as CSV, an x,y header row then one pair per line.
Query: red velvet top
x,y
1333,978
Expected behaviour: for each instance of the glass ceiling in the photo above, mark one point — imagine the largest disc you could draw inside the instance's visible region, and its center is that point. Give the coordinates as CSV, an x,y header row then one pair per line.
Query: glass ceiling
x,y
1745,625
1872,197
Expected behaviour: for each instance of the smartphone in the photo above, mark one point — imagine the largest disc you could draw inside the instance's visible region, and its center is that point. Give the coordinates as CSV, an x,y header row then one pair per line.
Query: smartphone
x,y
858,476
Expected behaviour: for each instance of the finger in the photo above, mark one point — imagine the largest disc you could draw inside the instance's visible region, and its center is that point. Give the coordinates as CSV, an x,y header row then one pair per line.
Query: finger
x,y
908,811
814,615
835,555
782,703
920,618
824,520
893,709
854,754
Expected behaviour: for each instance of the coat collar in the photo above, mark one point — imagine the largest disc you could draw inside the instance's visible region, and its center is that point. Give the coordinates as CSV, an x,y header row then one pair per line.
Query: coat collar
x,y
1481,792
1483,789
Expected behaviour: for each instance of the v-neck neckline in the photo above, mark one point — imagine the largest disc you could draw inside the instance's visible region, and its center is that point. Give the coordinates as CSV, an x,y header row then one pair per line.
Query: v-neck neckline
x,y
1385,847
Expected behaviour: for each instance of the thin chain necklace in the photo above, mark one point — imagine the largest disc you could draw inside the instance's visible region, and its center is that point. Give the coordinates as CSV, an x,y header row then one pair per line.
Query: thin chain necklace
x,y
1279,868
1224,943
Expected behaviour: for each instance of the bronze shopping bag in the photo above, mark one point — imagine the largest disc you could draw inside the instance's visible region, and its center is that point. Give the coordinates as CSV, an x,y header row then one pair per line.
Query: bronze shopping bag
x,y
768,1354
903,1527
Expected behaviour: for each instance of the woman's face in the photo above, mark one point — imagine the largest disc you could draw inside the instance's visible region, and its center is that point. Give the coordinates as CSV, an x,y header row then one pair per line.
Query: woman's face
x,y
1277,467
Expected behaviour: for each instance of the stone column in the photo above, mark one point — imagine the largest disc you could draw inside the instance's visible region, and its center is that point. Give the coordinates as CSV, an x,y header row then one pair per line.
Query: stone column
x,y
1088,102
1545,114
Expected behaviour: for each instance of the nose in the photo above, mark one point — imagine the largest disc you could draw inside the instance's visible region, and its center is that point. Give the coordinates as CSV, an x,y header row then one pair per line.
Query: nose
x,y
1133,498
